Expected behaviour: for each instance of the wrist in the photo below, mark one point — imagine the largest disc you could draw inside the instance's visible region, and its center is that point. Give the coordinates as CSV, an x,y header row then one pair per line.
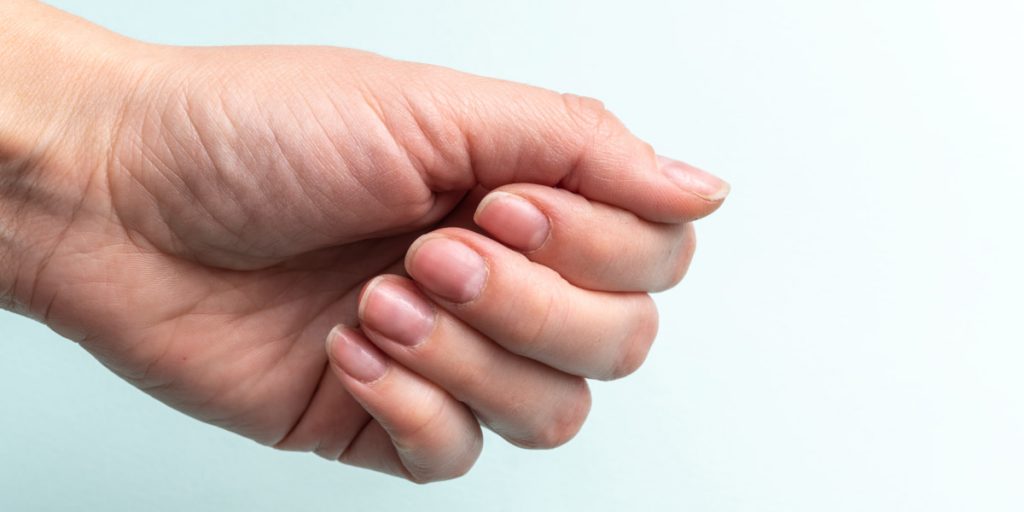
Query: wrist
x,y
62,88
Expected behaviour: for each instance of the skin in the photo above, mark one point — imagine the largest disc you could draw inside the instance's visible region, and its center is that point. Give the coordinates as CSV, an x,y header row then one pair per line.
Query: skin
x,y
201,220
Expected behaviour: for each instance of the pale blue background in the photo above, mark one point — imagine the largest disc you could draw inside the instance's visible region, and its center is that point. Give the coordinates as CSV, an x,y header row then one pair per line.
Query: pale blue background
x,y
849,337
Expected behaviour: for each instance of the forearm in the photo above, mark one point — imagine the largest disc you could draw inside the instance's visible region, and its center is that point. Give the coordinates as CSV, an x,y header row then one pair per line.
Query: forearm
x,y
54,123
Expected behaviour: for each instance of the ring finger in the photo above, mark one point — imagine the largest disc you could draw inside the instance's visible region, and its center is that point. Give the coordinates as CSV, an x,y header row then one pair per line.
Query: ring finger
x,y
526,402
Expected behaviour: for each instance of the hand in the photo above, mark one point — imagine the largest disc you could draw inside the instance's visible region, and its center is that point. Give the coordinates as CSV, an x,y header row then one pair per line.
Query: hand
x,y
485,328
200,218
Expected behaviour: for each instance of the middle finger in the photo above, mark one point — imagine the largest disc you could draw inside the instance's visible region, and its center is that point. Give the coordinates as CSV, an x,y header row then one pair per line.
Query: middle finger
x,y
529,308
526,402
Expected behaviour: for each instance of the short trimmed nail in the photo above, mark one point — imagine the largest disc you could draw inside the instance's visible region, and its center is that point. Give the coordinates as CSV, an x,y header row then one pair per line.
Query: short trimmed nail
x,y
694,180
397,313
356,356
449,269
513,220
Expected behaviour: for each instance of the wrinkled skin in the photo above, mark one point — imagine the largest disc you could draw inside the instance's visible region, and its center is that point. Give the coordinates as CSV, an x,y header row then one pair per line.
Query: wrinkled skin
x,y
200,218
238,295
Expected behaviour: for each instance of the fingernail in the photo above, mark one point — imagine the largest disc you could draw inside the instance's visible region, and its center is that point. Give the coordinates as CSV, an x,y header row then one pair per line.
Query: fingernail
x,y
396,312
355,355
692,179
449,269
513,220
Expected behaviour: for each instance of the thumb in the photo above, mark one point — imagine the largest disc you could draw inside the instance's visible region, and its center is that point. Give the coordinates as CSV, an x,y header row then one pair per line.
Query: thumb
x,y
514,133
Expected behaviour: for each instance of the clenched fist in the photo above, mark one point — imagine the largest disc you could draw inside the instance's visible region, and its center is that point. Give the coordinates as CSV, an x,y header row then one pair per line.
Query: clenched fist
x,y
203,219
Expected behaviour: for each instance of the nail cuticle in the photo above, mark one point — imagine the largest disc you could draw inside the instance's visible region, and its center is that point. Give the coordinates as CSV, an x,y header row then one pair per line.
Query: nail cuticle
x,y
398,314
355,358
450,269
514,220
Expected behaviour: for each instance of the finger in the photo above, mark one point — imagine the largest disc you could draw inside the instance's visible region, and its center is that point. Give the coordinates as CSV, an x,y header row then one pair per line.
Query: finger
x,y
530,309
592,245
429,435
519,133
526,402
493,132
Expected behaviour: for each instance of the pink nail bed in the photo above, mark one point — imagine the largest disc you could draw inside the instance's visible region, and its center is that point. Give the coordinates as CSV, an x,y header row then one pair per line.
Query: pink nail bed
x,y
355,355
449,268
397,313
513,220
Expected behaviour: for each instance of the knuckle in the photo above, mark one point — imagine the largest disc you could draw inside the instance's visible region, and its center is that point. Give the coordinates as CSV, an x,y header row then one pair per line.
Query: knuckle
x,y
443,468
461,468
637,342
469,378
407,200
455,462
431,475
647,150
548,319
409,208
421,478
420,423
563,423
589,113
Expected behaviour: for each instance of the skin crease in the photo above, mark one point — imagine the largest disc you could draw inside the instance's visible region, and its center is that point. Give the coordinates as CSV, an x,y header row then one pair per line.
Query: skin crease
x,y
209,214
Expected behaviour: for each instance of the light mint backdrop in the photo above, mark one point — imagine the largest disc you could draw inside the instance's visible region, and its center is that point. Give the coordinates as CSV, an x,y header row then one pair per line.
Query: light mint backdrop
x,y
849,337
